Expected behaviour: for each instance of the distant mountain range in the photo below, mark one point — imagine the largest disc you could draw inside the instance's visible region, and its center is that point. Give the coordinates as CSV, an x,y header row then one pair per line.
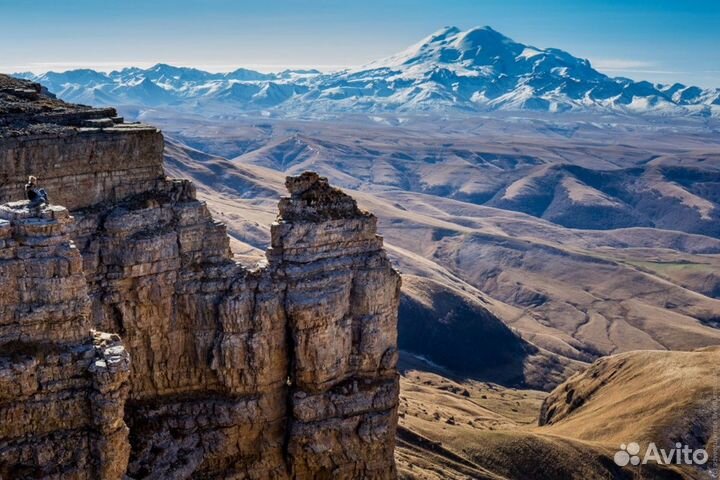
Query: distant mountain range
x,y
475,70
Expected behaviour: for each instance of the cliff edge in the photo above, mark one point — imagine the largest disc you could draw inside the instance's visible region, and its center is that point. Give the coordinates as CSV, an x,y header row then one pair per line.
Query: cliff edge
x,y
206,369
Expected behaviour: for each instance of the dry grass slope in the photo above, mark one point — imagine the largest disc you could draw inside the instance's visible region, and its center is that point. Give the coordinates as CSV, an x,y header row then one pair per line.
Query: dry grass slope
x,y
458,428
650,396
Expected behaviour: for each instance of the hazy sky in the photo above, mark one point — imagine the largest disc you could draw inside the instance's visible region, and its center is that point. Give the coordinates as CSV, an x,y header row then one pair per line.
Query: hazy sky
x,y
656,40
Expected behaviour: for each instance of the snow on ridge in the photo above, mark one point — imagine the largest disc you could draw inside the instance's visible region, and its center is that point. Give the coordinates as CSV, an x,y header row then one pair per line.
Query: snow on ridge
x,y
478,69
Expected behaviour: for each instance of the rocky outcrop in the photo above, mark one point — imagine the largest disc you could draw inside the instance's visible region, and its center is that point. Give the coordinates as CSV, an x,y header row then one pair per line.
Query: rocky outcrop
x,y
62,386
282,371
341,304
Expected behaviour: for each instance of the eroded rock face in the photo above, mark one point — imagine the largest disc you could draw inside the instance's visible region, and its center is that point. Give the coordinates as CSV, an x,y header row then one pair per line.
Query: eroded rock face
x,y
285,371
62,386
341,304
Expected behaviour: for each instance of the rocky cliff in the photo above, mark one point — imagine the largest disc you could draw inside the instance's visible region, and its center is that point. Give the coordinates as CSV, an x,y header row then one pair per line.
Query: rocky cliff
x,y
208,369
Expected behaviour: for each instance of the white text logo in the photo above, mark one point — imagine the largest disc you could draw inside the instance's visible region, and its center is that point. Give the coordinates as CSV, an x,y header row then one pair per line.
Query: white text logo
x,y
680,455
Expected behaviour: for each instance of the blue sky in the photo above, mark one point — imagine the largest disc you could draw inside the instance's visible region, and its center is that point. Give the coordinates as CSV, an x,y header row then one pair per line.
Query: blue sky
x,y
655,40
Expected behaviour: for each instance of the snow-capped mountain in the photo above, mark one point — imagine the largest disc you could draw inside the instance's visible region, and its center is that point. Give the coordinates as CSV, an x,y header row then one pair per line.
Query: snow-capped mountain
x,y
474,70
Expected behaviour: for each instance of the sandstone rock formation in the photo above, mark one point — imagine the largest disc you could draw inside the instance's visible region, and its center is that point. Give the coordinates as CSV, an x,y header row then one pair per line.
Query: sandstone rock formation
x,y
62,387
282,371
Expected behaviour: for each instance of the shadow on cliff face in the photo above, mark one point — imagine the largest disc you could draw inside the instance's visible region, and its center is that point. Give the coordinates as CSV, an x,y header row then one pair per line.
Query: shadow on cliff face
x,y
459,334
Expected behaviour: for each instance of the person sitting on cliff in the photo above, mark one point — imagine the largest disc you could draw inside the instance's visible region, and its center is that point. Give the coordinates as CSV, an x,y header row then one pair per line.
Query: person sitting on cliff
x,y
36,195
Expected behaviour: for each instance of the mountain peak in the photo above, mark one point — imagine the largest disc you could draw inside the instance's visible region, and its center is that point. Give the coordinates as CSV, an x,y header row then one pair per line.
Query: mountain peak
x,y
440,34
481,36
165,68
161,66
478,46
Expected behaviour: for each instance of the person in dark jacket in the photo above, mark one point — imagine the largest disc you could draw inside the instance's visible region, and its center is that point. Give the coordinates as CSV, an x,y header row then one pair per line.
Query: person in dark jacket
x,y
37,196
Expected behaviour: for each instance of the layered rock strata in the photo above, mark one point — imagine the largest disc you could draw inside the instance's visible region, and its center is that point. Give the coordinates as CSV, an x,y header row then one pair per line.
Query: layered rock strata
x,y
341,303
62,386
283,371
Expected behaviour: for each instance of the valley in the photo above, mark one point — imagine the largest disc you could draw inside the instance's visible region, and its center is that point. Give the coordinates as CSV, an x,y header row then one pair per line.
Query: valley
x,y
457,428
571,293
500,305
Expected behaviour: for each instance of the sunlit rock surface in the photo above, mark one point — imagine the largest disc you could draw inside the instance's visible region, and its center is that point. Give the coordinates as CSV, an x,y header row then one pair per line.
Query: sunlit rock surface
x,y
208,369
